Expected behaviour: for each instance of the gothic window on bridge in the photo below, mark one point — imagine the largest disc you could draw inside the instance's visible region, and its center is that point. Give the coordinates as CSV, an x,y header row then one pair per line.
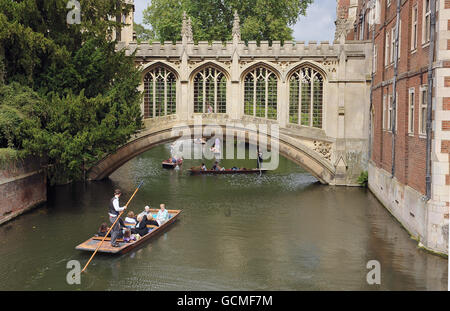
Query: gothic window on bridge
x,y
160,90
210,91
306,97
260,93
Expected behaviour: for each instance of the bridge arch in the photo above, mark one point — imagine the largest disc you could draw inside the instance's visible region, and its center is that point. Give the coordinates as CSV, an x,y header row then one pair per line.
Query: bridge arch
x,y
290,148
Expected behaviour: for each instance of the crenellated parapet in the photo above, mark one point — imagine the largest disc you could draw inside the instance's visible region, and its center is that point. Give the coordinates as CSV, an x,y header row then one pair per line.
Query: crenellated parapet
x,y
289,49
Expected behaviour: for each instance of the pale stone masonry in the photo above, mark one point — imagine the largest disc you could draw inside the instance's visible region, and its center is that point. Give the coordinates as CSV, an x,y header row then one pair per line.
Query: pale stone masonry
x,y
334,126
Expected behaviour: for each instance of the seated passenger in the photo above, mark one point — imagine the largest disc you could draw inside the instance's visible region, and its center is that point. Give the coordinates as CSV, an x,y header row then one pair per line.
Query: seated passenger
x,y
174,160
163,215
203,167
234,168
145,212
216,166
150,221
141,227
103,230
128,237
130,220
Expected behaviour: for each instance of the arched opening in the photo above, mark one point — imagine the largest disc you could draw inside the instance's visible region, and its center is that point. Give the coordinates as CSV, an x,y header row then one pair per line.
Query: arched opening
x,y
210,90
160,92
306,97
260,93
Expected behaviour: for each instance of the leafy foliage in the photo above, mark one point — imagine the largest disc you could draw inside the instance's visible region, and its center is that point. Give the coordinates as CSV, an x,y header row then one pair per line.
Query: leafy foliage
x,y
143,34
68,94
20,113
213,20
363,179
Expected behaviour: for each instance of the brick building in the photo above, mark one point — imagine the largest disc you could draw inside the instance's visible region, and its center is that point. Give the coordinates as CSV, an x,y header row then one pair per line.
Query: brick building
x,y
401,143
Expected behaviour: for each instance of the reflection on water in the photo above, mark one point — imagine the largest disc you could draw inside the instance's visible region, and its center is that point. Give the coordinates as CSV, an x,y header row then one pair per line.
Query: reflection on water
x,y
280,231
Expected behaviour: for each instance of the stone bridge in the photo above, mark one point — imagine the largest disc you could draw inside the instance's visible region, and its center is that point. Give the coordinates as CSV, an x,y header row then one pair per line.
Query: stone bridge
x,y
315,153
317,94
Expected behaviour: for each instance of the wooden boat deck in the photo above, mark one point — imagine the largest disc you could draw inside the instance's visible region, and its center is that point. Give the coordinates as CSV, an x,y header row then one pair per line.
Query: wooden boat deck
x,y
92,243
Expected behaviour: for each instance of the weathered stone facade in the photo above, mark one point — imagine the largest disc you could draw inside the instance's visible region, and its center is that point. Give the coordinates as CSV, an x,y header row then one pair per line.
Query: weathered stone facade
x,y
337,131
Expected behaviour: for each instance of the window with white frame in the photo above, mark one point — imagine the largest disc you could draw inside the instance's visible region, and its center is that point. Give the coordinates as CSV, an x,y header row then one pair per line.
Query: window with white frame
x,y
159,93
386,49
374,13
426,21
414,28
361,29
396,112
399,38
210,91
390,111
372,124
375,58
260,93
423,110
392,49
411,103
384,118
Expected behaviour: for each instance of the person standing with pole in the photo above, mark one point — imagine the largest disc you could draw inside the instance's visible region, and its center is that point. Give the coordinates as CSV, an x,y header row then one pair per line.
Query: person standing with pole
x,y
259,162
114,210
116,193
260,158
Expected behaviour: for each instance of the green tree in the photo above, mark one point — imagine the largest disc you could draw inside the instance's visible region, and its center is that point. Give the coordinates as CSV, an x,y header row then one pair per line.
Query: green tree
x,y
34,34
213,20
165,18
68,94
143,34
20,114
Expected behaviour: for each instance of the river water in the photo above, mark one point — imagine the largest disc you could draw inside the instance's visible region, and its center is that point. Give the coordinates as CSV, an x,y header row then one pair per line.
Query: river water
x,y
281,231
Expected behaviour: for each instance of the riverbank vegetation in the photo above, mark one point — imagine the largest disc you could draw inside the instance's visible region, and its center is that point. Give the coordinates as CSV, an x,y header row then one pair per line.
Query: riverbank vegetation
x,y
363,179
65,92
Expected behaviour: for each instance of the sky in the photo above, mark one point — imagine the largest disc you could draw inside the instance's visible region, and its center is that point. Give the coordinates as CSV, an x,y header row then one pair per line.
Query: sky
x,y
317,25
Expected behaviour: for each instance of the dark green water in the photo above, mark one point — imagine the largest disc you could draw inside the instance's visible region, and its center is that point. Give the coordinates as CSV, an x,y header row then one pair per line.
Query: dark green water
x,y
281,231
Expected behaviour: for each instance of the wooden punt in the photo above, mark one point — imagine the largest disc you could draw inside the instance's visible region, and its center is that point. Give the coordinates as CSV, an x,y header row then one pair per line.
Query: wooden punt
x,y
91,244
227,171
170,165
